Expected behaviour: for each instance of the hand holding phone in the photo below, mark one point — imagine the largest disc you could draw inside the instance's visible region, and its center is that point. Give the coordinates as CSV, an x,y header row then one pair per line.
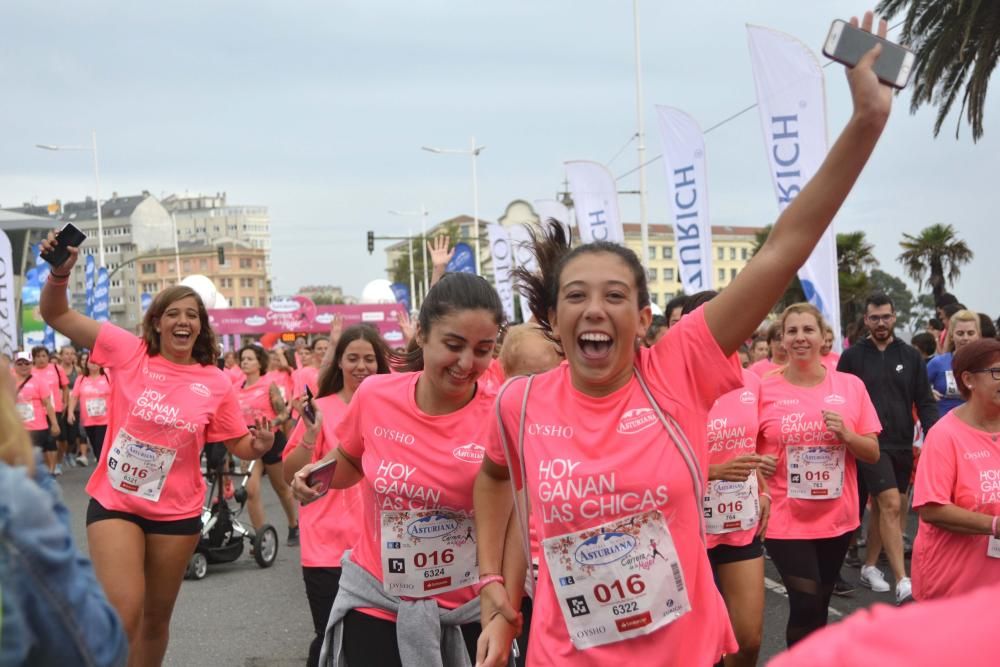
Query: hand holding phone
x,y
847,44
308,409
321,477
56,250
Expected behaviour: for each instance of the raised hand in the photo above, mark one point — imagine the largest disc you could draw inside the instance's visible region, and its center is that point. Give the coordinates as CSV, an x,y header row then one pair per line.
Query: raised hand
x,y
440,252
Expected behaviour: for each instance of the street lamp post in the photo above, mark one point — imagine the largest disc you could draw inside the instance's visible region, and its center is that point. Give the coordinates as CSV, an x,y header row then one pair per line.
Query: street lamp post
x,y
97,179
423,239
474,152
641,135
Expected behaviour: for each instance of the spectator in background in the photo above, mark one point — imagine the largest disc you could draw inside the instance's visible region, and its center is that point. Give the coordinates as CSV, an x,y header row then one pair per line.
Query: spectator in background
x,y
674,308
778,354
963,328
934,327
759,348
656,329
986,327
926,345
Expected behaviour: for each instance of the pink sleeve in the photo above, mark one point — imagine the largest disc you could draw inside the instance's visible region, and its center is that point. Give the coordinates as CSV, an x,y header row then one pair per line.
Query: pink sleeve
x,y
689,361
348,431
115,346
227,422
294,439
510,398
76,388
937,472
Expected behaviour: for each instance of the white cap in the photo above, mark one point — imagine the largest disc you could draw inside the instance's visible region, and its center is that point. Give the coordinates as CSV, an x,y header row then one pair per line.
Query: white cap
x,y
23,355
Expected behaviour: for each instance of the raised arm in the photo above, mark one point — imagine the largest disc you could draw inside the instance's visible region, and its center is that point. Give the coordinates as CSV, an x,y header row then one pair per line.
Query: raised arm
x,y
54,307
441,254
736,312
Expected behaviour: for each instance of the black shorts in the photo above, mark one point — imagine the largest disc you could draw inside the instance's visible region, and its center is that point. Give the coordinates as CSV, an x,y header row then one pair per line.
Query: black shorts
x,y
97,512
43,440
273,455
892,470
66,432
723,554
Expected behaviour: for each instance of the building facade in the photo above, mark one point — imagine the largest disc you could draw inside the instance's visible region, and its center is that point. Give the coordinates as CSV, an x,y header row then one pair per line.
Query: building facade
x,y
204,218
241,277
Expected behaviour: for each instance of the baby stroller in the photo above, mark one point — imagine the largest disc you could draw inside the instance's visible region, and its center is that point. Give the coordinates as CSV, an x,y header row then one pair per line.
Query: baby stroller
x,y
222,533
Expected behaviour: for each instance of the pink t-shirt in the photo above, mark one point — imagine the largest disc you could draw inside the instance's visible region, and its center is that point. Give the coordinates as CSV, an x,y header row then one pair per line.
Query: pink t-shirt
x,y
959,465
763,367
303,377
30,402
412,460
235,374
830,360
954,631
332,524
593,460
793,415
55,377
255,401
493,378
732,432
284,381
93,392
173,406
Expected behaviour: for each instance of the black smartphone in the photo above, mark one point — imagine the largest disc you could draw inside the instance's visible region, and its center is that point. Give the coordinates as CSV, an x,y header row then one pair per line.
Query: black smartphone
x,y
847,44
68,237
308,409
322,475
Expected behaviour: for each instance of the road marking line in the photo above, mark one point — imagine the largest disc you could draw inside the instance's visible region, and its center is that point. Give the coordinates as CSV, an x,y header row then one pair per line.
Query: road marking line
x,y
772,585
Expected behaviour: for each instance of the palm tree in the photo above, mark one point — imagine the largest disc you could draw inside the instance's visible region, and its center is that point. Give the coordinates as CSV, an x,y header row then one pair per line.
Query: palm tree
x,y
957,43
937,250
855,259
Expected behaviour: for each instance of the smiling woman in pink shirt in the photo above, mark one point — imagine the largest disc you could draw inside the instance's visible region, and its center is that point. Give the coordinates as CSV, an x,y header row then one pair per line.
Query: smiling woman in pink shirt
x,y
167,399
957,491
414,442
607,445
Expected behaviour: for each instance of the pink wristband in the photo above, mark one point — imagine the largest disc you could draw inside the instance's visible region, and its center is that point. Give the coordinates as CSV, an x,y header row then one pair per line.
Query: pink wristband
x,y
993,531
768,496
486,581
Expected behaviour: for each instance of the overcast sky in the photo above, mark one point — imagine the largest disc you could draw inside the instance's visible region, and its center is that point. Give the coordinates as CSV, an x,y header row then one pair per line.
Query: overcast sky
x,y
318,109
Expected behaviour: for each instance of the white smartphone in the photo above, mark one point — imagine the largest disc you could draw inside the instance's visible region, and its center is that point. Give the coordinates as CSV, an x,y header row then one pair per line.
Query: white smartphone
x,y
847,44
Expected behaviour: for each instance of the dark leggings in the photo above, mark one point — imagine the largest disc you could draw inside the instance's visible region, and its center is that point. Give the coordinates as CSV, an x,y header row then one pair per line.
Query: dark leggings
x,y
372,641
322,584
808,568
95,436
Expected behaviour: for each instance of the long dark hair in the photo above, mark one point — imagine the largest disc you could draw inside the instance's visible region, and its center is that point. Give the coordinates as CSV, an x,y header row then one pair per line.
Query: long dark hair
x,y
206,349
551,247
454,292
331,381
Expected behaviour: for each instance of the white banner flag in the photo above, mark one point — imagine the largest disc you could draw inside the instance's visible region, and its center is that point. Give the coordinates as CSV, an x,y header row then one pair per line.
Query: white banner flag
x,y
521,240
792,102
556,210
687,183
8,313
595,198
503,263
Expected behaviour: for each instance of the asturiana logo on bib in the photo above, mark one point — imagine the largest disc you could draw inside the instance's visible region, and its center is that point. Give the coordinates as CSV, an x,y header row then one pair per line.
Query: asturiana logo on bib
x,y
604,548
432,526
748,397
635,420
470,453
835,399
725,488
140,452
817,456
200,389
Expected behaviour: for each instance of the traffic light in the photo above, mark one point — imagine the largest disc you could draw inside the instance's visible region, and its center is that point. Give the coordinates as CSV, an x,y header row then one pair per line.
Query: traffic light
x,y
222,255
371,242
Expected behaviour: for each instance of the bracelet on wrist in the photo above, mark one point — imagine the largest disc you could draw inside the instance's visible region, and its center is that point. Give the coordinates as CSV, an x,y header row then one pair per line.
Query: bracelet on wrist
x,y
993,530
58,280
485,581
307,445
767,495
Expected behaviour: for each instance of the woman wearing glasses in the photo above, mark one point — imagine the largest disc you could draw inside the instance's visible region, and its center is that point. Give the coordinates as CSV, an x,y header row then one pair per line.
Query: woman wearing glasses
x,y
957,491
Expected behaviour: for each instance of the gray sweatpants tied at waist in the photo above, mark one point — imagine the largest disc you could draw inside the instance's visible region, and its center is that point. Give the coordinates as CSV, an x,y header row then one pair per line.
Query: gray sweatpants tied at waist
x,y
427,635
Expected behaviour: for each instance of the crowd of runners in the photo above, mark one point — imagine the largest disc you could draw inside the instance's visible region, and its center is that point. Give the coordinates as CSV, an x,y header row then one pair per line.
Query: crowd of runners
x,y
592,486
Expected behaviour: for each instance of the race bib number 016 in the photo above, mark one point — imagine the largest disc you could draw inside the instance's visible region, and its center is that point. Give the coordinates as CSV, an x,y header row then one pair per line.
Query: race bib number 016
x,y
731,506
427,552
816,472
617,581
139,468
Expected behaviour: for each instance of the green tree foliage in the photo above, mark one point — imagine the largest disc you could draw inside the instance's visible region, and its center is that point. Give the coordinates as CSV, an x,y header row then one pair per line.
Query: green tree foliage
x,y
934,256
855,259
957,43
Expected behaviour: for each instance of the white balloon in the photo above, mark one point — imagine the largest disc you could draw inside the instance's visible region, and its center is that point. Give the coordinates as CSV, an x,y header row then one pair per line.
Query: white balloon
x,y
378,291
205,288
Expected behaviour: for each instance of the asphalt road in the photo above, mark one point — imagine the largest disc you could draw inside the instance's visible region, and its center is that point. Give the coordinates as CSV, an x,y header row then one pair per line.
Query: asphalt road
x,y
241,615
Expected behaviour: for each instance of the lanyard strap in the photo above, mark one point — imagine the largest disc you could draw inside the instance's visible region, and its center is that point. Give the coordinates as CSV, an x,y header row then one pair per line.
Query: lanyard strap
x,y
521,502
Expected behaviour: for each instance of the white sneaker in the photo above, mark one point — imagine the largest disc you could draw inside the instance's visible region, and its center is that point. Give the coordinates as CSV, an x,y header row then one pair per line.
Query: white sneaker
x,y
58,471
82,461
904,591
872,577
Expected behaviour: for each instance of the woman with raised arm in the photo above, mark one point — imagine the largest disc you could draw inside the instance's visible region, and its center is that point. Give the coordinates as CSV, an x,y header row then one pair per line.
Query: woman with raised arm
x,y
607,445
167,399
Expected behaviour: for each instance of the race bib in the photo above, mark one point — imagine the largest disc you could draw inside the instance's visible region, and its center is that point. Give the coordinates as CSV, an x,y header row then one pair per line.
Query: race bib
x,y
951,387
426,552
816,472
617,581
138,468
993,548
97,407
731,506
26,411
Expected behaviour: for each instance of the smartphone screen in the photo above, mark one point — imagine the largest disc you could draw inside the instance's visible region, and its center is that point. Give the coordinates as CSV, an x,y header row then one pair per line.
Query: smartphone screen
x,y
323,476
847,45
69,236
308,409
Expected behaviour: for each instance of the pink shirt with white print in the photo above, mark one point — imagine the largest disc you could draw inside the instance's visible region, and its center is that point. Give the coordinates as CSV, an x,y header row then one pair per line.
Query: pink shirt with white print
x,y
55,377
592,460
30,402
88,389
732,432
411,460
791,415
959,465
332,524
255,401
177,406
